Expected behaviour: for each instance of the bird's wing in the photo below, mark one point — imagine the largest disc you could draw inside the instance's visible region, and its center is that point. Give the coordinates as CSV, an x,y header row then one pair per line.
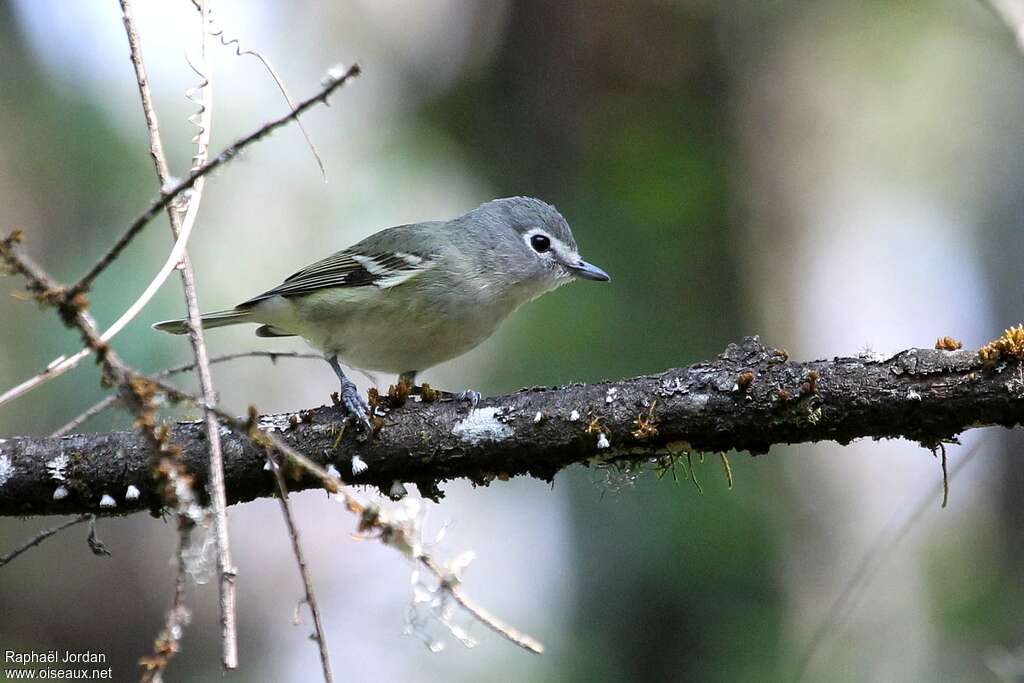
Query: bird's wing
x,y
352,267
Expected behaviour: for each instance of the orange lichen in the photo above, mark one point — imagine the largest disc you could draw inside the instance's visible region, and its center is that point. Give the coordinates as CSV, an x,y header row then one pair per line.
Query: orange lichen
x,y
1010,345
646,425
399,393
948,344
744,380
597,423
428,394
811,385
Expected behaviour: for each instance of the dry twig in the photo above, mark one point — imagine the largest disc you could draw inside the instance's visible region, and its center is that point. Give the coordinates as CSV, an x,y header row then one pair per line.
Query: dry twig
x,y
336,79
108,401
179,228
307,581
40,537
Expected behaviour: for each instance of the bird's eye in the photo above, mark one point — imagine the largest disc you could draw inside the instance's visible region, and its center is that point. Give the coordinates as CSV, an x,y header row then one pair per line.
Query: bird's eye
x,y
540,243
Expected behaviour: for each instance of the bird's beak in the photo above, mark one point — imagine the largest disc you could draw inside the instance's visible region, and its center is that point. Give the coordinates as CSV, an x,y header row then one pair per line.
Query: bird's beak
x,y
587,271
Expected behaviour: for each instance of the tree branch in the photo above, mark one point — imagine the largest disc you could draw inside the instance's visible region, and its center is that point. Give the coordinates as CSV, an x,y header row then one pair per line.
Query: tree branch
x,y
924,395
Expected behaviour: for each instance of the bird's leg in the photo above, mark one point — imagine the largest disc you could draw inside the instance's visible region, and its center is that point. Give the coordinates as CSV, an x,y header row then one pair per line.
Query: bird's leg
x,y
470,396
354,403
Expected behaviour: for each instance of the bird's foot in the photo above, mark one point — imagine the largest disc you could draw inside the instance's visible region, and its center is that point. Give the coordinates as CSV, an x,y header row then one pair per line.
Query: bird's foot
x,y
356,405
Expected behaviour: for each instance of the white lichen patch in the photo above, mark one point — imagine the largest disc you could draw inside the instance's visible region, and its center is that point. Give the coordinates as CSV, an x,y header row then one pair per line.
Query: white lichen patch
x,y
57,467
333,471
273,423
334,74
913,396
132,493
359,465
107,501
672,386
574,416
60,493
869,355
6,469
611,395
482,424
602,441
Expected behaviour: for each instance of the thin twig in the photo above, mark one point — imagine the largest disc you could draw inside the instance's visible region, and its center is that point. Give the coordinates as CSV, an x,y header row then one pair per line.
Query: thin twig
x,y
179,228
40,537
332,83
454,588
62,364
86,415
393,535
307,581
215,30
108,401
168,642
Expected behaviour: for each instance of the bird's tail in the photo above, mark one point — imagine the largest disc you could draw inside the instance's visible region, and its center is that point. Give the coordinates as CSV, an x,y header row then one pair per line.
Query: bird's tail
x,y
234,316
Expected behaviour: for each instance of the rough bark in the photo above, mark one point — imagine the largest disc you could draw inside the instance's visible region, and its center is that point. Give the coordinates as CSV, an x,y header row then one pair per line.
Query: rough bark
x,y
924,395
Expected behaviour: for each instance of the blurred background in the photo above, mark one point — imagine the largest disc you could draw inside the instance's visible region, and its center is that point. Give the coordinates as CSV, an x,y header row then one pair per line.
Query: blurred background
x,y
838,177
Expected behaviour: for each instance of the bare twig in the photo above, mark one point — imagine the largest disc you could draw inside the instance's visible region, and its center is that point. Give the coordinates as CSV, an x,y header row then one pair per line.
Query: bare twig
x,y
168,642
334,81
40,537
108,401
215,30
225,567
60,365
307,581
453,586
86,415
179,227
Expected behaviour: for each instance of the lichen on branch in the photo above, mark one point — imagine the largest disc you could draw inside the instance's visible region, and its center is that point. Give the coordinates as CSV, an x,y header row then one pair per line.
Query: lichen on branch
x,y
748,399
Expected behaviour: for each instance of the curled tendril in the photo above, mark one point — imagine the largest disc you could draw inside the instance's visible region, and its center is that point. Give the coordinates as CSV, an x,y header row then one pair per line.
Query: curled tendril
x,y
214,29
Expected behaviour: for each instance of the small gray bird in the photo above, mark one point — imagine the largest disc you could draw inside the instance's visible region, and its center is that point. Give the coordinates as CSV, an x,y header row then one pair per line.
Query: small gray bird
x,y
409,297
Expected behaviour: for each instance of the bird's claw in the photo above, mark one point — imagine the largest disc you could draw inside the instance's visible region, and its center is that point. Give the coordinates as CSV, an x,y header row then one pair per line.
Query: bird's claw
x,y
356,405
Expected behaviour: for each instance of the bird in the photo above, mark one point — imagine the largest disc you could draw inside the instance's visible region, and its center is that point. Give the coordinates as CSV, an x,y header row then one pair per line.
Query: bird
x,y
412,296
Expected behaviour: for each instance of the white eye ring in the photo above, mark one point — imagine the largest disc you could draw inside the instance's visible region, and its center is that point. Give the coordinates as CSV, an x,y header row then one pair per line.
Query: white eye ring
x,y
539,242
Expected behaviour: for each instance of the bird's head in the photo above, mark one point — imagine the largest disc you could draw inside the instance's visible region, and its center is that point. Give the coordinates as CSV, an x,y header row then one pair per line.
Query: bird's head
x,y
533,242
